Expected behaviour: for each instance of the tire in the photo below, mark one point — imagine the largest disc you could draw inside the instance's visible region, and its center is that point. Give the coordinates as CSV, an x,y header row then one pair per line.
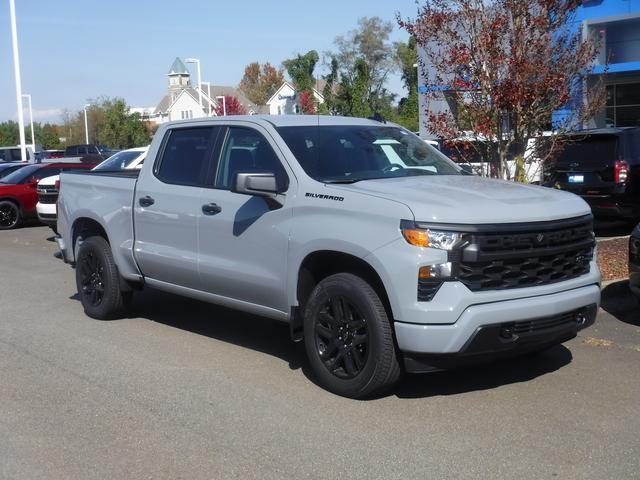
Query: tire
x,y
10,215
348,338
98,281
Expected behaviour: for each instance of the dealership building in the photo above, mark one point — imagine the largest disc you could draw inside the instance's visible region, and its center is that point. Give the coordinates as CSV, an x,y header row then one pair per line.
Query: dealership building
x,y
616,25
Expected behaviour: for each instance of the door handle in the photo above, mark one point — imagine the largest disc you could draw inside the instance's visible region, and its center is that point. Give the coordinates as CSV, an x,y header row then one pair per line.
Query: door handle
x,y
146,201
211,209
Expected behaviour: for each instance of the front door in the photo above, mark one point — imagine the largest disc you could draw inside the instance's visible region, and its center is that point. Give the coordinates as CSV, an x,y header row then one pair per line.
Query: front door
x,y
243,239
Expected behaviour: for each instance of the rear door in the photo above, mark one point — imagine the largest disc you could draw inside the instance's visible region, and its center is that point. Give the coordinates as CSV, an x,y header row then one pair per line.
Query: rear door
x,y
168,206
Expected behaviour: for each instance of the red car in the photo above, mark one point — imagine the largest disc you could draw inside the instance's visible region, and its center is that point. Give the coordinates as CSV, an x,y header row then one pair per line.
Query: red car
x,y
18,195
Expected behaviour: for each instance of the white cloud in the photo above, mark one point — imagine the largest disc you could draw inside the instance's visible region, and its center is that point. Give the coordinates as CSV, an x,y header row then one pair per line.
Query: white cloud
x,y
51,115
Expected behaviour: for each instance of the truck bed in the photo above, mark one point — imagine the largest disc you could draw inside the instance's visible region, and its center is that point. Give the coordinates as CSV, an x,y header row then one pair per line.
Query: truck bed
x,y
107,198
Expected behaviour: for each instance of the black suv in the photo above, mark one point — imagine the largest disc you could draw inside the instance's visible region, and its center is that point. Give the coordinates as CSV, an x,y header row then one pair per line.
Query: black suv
x,y
603,167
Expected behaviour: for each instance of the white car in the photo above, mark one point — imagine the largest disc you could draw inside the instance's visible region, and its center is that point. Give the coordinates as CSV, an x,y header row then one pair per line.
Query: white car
x,y
48,187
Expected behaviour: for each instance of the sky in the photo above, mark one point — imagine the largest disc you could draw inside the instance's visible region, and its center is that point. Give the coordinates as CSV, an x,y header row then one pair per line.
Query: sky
x,y
75,50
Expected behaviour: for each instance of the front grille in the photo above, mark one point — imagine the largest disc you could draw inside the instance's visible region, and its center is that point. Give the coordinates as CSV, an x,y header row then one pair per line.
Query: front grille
x,y
527,256
48,198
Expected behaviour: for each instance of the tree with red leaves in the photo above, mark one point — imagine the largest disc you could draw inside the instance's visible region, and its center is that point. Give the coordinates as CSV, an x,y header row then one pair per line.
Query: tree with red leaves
x,y
307,103
232,106
504,67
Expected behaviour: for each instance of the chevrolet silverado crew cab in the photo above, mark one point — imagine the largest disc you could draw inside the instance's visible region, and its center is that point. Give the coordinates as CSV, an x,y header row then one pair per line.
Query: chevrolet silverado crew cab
x,y
380,253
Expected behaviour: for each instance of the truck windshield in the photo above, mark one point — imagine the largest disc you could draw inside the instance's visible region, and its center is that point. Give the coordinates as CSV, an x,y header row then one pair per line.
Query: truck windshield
x,y
347,154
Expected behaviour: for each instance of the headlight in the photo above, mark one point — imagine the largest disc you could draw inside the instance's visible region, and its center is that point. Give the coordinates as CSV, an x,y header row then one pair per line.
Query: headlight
x,y
431,238
440,239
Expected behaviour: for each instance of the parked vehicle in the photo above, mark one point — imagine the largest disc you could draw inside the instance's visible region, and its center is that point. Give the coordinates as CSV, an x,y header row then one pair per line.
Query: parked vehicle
x,y
13,154
634,261
474,153
603,167
10,167
371,244
45,155
87,153
48,187
18,195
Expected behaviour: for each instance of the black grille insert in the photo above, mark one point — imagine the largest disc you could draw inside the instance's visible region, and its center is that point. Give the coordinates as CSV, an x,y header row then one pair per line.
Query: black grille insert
x,y
559,251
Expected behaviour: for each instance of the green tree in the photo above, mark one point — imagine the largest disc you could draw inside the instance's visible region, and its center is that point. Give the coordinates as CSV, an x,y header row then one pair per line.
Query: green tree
x,y
408,109
122,129
365,57
300,70
8,133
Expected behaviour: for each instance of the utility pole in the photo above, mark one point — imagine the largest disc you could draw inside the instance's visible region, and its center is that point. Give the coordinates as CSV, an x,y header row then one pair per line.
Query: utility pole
x,y
16,71
33,138
86,127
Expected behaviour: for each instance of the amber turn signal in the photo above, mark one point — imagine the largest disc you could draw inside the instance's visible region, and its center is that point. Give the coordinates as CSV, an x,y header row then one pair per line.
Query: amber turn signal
x,y
419,238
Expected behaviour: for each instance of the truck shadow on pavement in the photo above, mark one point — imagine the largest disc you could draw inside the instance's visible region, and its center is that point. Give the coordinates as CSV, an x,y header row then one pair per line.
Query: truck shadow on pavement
x,y
272,338
485,376
618,301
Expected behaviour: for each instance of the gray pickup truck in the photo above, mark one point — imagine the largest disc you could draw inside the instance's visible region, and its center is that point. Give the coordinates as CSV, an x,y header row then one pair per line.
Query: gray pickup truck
x,y
381,254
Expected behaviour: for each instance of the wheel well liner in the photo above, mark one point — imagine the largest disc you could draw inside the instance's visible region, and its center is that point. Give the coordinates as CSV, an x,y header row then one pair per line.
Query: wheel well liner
x,y
86,227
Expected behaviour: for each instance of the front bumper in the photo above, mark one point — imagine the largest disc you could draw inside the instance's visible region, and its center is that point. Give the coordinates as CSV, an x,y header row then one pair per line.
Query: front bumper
x,y
63,253
455,338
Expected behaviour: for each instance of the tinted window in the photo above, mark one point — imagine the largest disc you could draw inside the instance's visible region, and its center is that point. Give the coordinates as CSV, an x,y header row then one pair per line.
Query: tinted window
x,y
590,149
351,153
119,161
7,171
185,156
22,175
247,151
71,151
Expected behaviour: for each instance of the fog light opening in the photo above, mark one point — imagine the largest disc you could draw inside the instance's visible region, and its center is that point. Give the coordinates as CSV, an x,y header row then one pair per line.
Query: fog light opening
x,y
580,319
506,331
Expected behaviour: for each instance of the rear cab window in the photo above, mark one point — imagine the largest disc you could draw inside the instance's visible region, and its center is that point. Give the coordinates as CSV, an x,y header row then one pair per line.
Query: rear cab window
x,y
186,156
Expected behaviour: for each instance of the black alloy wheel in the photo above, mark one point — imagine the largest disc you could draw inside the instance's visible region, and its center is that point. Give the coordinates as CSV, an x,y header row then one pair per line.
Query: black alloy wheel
x,y
98,281
348,337
9,215
342,337
91,279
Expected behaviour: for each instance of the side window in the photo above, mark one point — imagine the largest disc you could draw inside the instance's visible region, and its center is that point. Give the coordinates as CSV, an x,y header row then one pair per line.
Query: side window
x,y
185,156
247,151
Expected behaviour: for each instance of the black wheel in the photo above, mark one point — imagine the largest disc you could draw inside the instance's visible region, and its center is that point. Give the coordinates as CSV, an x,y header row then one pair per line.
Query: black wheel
x,y
348,338
98,280
10,216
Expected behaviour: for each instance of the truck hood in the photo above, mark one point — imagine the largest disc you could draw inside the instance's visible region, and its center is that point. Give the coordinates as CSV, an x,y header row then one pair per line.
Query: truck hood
x,y
474,200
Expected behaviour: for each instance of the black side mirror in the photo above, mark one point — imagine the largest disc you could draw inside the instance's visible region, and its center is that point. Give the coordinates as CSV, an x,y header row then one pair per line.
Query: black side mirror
x,y
467,169
261,184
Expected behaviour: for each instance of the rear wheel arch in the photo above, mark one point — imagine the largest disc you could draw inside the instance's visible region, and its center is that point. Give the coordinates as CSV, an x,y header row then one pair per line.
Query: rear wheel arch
x,y
85,227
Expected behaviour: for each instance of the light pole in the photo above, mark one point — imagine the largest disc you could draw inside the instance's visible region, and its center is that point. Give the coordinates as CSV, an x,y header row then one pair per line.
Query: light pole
x,y
224,104
197,62
16,71
86,127
208,84
33,140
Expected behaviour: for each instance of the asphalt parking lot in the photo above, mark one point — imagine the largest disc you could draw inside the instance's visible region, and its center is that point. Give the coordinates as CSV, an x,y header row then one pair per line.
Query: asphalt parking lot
x,y
187,390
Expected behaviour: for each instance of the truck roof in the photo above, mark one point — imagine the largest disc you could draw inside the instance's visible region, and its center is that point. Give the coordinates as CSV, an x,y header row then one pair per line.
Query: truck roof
x,y
289,120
